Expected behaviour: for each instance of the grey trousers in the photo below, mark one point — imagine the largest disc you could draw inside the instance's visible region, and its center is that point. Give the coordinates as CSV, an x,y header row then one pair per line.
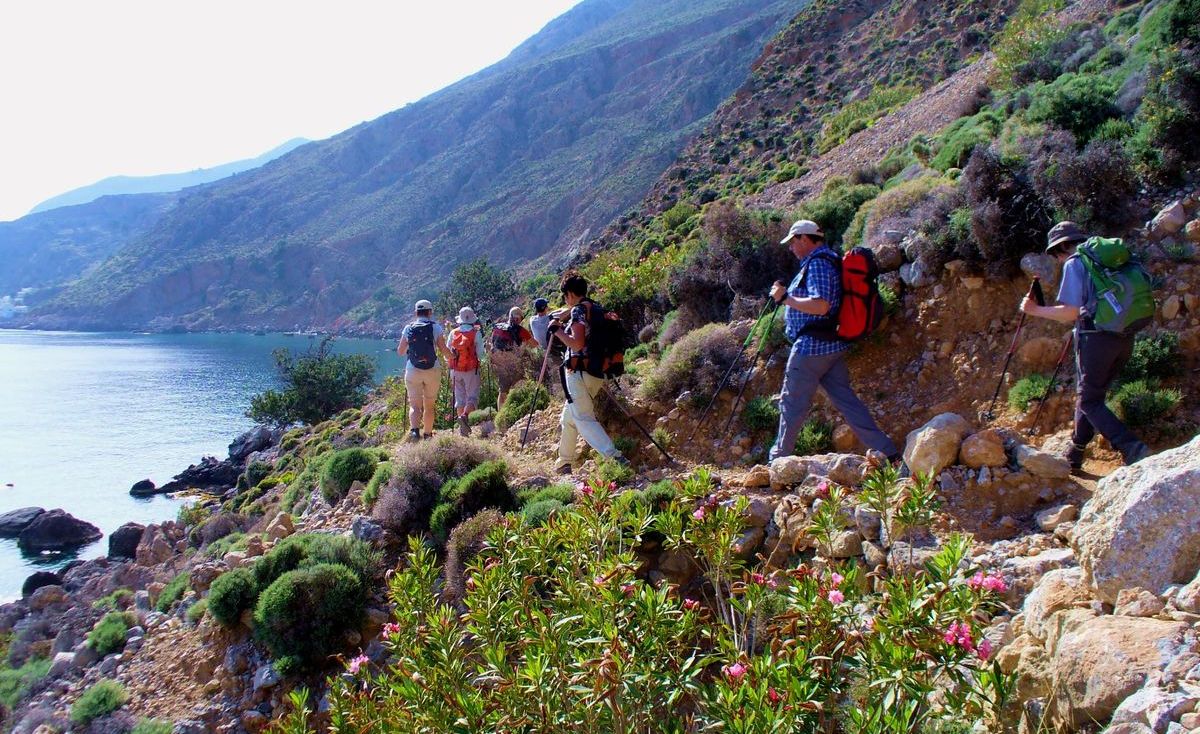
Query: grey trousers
x,y
800,381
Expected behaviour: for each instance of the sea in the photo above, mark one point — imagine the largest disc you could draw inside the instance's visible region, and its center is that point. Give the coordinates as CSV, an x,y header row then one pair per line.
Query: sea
x,y
85,415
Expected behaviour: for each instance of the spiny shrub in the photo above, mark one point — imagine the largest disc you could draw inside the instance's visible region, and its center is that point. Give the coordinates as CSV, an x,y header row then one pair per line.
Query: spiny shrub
x,y
1166,142
834,209
1154,355
231,542
379,480
305,613
15,683
1142,402
658,496
696,363
1026,49
891,210
215,528
1079,103
1008,218
861,114
232,593
522,399
562,492
151,726
307,549
761,414
1093,187
662,437
196,612
255,472
343,469
116,601
103,698
624,444
1026,390
466,540
816,437
612,474
484,486
959,139
483,415
537,513
172,592
419,471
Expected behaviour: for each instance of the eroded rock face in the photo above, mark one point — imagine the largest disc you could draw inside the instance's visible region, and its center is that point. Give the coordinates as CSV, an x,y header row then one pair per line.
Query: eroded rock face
x,y
1141,528
934,446
56,530
124,541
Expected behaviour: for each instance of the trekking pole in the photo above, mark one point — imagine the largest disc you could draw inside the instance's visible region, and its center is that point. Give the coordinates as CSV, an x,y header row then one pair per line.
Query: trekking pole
x,y
771,304
1061,358
1035,290
533,403
608,391
762,342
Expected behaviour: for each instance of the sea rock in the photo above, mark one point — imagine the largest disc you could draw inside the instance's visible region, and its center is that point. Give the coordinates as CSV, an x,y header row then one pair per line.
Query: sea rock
x,y
934,446
154,547
1105,659
56,530
1153,707
124,541
985,448
15,521
1169,220
144,488
38,579
1042,464
210,475
256,439
1140,527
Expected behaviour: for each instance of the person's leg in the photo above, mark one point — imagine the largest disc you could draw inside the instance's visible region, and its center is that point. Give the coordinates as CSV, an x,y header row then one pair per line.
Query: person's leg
x,y
1101,357
567,437
473,383
1083,431
799,383
432,382
583,389
836,383
413,385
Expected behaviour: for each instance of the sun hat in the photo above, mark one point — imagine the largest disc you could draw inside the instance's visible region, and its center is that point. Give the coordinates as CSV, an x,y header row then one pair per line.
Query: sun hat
x,y
466,315
803,226
516,313
423,305
1064,233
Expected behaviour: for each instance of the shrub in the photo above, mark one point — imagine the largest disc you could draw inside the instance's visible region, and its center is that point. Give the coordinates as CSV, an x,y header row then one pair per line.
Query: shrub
x,y
287,555
478,283
15,683
379,480
658,496
419,471
172,592
1154,355
696,363
152,726
1093,188
232,593
1142,402
523,398
662,437
483,415
319,384
308,549
1166,142
196,612
816,437
484,486
255,472
1026,390
959,139
343,469
115,601
103,698
108,636
892,303
761,414
466,541
233,541
564,493
1025,48
835,208
861,114
216,527
610,473
1079,103
305,613
1008,218
677,216
535,514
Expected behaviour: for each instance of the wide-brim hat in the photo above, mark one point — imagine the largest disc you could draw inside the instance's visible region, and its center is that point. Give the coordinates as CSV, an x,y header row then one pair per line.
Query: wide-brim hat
x,y
1064,233
803,226
466,315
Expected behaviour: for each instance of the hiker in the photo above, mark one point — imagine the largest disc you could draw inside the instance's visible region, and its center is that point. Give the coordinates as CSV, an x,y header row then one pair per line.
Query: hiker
x,y
1099,354
466,355
540,322
420,342
579,382
508,341
818,356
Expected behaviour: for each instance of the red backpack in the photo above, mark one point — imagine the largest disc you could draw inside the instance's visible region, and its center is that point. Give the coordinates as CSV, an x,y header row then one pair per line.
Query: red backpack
x,y
861,311
463,357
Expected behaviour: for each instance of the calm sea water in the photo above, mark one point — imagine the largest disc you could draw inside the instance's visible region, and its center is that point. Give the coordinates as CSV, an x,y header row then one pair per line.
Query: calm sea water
x,y
84,416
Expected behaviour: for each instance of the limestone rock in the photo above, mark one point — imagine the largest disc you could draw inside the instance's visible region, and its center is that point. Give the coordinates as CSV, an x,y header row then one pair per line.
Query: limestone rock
x,y
917,274
1058,589
154,547
47,596
38,579
364,528
266,677
1137,602
1099,664
61,664
1049,520
934,446
1169,220
1040,353
57,530
790,471
844,439
1153,707
868,522
845,544
1042,464
1024,572
985,448
758,513
1170,307
759,476
888,257
124,540
1192,230
1039,265
280,527
791,517
1140,527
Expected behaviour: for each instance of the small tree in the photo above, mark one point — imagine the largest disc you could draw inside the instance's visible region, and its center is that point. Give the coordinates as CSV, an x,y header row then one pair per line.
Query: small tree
x,y
480,285
319,384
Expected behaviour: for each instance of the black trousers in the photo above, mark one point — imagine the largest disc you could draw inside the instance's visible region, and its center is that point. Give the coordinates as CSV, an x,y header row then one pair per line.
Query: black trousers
x,y
1099,358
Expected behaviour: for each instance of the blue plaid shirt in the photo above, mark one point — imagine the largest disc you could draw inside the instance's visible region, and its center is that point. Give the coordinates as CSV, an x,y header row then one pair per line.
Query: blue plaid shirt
x,y
824,281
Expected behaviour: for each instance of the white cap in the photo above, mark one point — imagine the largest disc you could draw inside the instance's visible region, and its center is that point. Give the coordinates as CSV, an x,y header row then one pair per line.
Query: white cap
x,y
466,315
423,305
803,226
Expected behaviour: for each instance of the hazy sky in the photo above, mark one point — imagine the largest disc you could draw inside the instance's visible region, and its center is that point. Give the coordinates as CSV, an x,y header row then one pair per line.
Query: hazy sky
x,y
94,89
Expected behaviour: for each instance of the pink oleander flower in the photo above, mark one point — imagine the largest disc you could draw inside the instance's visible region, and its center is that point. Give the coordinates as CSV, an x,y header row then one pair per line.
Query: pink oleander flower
x,y
869,624
627,589
391,628
959,633
836,579
823,489
773,695
835,596
356,664
491,564
995,583
612,486
984,650
734,672
699,513
772,583
598,581
691,604
586,490
758,578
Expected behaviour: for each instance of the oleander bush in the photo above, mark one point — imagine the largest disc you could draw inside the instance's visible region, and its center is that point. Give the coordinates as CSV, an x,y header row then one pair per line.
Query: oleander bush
x,y
343,469
101,699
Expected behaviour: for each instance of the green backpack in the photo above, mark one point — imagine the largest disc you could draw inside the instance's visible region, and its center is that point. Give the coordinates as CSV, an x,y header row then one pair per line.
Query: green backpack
x,y
1124,295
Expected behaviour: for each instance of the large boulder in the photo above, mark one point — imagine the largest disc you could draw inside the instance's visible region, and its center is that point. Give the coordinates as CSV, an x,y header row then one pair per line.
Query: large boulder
x,y
1058,589
124,540
1102,661
15,521
144,488
256,439
56,530
154,547
934,446
38,579
1140,528
790,471
985,448
1042,463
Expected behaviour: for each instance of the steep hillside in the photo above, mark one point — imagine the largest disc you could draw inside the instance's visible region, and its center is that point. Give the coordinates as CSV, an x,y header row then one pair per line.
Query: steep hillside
x,y
163,183
529,156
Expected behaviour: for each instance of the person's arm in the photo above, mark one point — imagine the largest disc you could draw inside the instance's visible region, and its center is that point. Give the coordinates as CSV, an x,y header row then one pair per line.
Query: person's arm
x,y
441,346
1062,312
479,352
811,303
1072,294
402,347
575,337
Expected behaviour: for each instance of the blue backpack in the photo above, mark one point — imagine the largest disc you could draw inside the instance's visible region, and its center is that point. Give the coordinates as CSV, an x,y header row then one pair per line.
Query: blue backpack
x,y
421,352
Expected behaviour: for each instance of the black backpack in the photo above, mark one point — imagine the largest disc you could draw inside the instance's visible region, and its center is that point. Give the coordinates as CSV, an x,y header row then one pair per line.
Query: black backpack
x,y
421,352
606,344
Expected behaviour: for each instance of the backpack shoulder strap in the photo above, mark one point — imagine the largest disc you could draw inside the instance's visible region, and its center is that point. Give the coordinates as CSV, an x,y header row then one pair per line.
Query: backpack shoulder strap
x,y
824,253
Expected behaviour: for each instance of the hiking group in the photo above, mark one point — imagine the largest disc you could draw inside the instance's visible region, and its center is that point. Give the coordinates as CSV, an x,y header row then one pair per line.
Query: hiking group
x,y
832,301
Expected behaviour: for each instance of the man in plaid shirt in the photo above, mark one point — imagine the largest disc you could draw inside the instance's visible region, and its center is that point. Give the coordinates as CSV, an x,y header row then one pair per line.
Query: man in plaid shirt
x,y
818,356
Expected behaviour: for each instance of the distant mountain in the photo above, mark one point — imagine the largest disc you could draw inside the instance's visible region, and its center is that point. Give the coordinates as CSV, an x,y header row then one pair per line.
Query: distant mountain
x,y
533,155
163,183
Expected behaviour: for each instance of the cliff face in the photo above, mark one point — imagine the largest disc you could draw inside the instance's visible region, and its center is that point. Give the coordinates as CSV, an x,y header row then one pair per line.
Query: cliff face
x,y
531,156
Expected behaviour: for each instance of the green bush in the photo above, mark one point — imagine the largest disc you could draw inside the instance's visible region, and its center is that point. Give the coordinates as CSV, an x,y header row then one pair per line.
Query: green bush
x,y
624,444
1023,49
861,114
609,472
379,480
1142,402
234,541
108,636
15,683
1166,143
117,600
526,396
172,592
816,437
287,555
255,473
1079,103
343,469
562,492
232,593
658,496
537,513
960,137
483,415
305,613
891,299
1154,355
308,549
103,698
484,486
196,612
465,543
761,414
419,472
151,726
695,363
320,384
1026,390
835,208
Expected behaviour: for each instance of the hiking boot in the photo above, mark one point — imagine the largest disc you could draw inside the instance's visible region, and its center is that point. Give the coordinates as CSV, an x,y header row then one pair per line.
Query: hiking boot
x,y
414,435
1074,457
564,470
464,427
1137,453
427,436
